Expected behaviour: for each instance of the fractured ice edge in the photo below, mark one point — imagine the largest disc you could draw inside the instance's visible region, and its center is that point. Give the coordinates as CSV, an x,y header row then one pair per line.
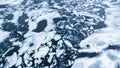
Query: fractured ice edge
x,y
59,34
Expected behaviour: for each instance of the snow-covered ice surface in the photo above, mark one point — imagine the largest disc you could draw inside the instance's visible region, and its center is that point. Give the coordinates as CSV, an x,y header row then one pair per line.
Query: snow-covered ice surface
x,y
59,33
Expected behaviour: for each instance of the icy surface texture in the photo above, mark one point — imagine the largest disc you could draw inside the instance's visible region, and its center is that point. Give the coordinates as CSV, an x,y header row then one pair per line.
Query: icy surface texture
x,y
59,33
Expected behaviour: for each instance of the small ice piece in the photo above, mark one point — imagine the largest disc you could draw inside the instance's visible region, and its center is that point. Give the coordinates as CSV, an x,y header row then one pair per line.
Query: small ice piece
x,y
3,35
11,2
51,56
57,37
25,46
42,52
12,60
68,43
19,61
27,59
59,52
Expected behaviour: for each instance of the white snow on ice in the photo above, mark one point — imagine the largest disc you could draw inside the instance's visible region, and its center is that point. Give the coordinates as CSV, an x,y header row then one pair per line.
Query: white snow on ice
x,y
100,40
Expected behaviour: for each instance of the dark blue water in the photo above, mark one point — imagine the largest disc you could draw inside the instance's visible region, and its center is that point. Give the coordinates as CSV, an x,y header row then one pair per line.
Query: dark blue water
x,y
41,26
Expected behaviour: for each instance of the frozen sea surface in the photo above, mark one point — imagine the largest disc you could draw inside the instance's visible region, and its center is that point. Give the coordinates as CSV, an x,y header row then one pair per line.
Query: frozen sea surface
x,y
59,34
